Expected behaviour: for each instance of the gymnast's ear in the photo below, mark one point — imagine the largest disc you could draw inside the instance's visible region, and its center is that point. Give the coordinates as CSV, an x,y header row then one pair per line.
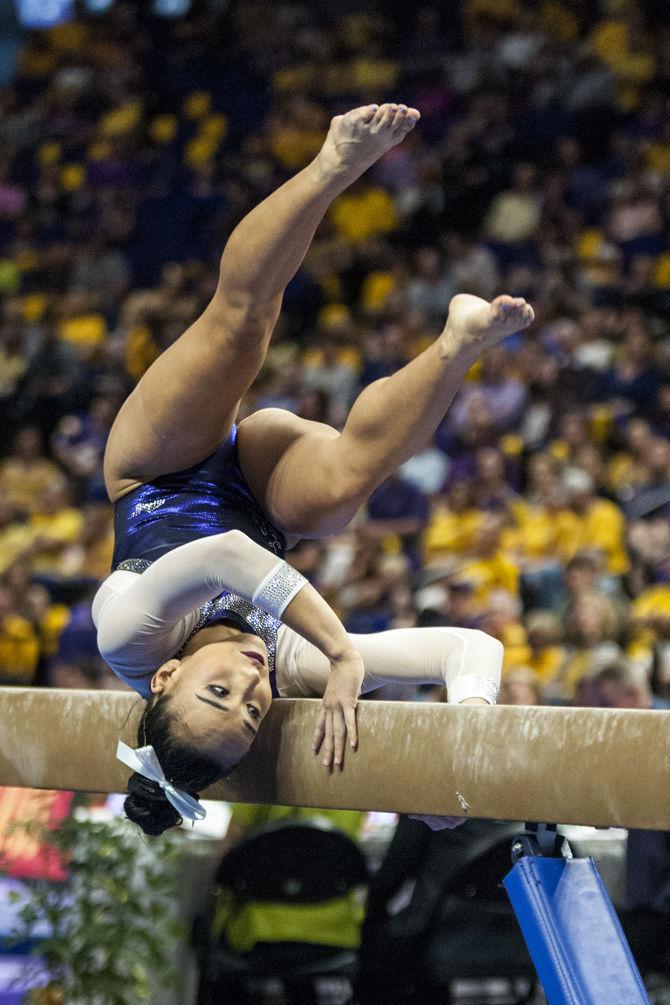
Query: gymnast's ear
x,y
162,679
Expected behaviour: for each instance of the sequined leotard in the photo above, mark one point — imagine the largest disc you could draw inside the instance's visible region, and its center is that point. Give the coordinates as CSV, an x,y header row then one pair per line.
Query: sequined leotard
x,y
208,498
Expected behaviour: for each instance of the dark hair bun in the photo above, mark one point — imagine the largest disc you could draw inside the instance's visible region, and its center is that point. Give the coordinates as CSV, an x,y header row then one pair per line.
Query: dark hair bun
x,y
147,806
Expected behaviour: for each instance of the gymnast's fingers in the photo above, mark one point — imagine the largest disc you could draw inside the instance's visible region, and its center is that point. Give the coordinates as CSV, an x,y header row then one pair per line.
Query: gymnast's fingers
x,y
327,752
352,728
340,734
319,732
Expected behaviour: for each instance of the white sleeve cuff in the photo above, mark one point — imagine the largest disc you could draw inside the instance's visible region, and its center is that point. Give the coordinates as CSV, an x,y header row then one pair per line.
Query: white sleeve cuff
x,y
472,685
276,590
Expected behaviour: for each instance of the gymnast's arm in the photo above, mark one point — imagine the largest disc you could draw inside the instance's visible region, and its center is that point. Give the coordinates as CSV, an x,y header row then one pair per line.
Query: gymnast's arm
x,y
182,580
136,625
468,661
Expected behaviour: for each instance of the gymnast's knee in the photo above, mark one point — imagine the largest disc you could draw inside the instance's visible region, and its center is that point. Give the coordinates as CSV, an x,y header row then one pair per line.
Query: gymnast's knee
x,y
246,325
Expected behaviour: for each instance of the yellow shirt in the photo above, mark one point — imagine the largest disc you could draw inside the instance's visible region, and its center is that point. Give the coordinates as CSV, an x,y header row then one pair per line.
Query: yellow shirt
x,y
623,469
546,662
577,664
11,368
294,146
13,540
19,650
347,356
140,351
540,533
22,484
333,923
602,528
658,156
517,650
498,572
360,215
653,600
56,618
63,527
98,559
450,533
85,332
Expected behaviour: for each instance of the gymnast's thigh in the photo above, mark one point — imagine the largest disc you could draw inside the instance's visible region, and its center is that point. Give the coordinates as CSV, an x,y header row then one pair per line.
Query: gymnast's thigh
x,y
185,404
298,472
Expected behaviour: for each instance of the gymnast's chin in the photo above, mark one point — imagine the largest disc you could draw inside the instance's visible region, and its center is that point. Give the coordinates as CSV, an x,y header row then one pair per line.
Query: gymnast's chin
x,y
203,714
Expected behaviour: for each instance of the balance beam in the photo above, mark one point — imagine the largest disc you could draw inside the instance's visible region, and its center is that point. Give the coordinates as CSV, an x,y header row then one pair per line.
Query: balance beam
x,y
605,767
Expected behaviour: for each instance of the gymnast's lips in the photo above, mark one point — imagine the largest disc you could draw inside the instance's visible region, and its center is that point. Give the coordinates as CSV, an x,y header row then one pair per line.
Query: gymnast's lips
x,y
257,657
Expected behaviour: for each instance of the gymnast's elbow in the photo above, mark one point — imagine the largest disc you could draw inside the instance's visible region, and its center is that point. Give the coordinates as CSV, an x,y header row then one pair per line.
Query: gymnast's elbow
x,y
232,540
490,652
497,654
226,547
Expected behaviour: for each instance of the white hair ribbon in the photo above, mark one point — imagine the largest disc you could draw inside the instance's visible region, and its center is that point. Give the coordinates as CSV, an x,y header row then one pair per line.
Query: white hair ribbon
x,y
144,761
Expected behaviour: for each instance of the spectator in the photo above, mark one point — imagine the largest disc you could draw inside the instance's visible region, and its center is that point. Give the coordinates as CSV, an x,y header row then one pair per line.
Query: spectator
x,y
601,523
55,524
519,687
430,289
592,630
453,523
398,508
634,379
547,655
26,474
490,568
79,440
498,389
472,267
19,644
501,618
53,380
514,215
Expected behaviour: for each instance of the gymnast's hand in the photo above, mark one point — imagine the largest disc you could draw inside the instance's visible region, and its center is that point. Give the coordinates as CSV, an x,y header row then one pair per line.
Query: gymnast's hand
x,y
338,709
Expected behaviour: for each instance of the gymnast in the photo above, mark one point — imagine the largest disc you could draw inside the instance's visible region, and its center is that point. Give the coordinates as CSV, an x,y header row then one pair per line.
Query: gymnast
x,y
201,615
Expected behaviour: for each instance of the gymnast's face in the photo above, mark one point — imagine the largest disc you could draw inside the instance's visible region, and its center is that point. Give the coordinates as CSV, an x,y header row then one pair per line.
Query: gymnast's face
x,y
220,689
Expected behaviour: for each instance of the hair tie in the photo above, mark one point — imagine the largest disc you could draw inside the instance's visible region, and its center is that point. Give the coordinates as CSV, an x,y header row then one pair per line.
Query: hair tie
x,y
145,762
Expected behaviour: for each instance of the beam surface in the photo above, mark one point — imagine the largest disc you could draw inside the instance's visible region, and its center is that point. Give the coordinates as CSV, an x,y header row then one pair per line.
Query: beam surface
x,y
605,767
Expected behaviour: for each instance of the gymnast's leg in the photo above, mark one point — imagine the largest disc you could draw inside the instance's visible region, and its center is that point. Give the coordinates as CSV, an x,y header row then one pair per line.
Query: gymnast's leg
x,y
468,661
312,479
185,404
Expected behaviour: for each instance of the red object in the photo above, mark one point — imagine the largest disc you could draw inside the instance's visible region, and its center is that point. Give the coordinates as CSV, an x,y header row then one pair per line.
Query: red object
x,y
22,854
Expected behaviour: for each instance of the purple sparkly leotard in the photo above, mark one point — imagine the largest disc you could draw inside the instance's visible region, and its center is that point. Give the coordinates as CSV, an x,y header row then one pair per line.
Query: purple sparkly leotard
x,y
208,498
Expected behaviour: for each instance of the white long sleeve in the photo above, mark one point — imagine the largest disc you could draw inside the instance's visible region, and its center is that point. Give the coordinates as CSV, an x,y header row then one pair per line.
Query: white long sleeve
x,y
468,661
144,620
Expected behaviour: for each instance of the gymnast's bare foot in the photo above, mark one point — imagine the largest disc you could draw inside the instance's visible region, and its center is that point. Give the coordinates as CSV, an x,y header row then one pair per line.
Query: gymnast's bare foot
x,y
475,324
359,138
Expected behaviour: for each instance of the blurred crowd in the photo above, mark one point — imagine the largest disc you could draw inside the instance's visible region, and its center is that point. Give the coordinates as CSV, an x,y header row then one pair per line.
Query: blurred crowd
x,y
130,146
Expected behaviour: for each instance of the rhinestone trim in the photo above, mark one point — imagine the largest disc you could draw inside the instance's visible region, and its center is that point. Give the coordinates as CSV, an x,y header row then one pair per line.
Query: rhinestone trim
x,y
474,685
278,589
259,623
139,565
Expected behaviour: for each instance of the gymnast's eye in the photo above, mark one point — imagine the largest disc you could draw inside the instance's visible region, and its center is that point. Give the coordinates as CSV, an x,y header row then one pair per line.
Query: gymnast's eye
x,y
254,712
220,692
